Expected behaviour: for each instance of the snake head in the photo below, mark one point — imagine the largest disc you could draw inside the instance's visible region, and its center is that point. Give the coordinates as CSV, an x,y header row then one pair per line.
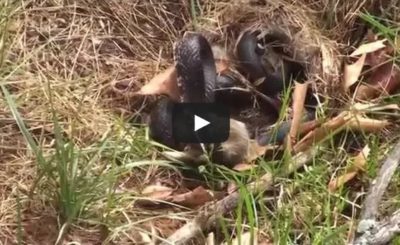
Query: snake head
x,y
249,54
261,55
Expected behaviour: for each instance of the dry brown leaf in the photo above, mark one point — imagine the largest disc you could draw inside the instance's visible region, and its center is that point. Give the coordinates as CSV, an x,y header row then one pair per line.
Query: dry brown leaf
x,y
163,83
166,81
210,239
245,239
365,92
341,180
352,72
194,198
243,167
320,133
384,80
371,53
232,187
379,57
157,192
369,48
164,226
299,97
255,151
359,163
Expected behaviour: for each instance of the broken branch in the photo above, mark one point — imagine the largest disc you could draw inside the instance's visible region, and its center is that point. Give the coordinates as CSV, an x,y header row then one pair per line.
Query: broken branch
x,y
368,229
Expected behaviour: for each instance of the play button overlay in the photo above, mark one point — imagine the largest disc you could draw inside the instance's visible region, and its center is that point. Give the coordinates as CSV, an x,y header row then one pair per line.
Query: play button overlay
x,y
200,123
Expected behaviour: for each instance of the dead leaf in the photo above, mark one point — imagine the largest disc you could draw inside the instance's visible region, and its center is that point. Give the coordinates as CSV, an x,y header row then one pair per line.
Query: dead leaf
x,y
299,97
379,57
341,180
359,163
210,239
365,92
383,80
163,83
369,48
352,72
157,192
166,81
194,198
255,150
245,239
164,226
243,167
232,187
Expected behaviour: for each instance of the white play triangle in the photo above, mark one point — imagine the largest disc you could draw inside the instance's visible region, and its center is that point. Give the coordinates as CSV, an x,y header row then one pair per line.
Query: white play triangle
x,y
199,123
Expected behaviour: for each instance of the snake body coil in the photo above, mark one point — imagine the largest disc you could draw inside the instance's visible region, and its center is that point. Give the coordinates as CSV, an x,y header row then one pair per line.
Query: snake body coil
x,y
196,68
199,83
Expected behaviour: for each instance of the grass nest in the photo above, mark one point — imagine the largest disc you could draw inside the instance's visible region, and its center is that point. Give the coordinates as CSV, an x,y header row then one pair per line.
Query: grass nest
x,y
222,23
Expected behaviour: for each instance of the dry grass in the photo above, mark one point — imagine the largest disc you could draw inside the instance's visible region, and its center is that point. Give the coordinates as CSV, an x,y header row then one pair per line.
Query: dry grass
x,y
63,56
67,54
340,18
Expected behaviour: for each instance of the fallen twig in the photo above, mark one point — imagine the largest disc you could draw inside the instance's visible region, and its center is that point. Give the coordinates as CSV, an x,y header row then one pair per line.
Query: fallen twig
x,y
384,232
369,230
207,219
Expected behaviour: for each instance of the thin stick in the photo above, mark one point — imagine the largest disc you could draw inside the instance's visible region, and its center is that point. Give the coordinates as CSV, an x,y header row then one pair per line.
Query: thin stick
x,y
370,207
368,227
385,232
